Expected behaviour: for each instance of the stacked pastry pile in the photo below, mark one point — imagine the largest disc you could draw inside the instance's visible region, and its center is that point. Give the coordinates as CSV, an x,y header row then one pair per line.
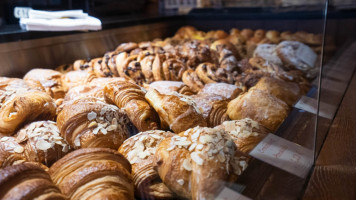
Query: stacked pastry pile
x,y
200,102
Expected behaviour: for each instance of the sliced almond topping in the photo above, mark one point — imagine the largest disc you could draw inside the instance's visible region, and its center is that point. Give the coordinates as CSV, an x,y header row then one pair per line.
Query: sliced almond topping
x,y
142,155
192,147
182,143
171,148
155,136
19,149
43,145
196,158
221,157
200,146
195,135
3,139
180,181
112,127
187,165
91,115
243,164
104,131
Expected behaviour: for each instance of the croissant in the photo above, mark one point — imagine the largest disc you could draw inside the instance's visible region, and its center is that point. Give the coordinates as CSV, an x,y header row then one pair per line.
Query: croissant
x,y
93,173
51,80
131,98
27,181
10,86
42,142
246,133
11,152
225,90
259,106
139,151
176,110
89,122
191,163
212,107
288,92
25,107
75,78
191,79
167,87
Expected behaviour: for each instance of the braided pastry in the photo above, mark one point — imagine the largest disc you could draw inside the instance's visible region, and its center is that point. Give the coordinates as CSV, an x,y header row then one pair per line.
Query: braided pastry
x,y
101,69
131,98
175,110
129,67
146,60
51,80
24,107
93,173
89,122
191,163
109,62
27,181
139,151
82,65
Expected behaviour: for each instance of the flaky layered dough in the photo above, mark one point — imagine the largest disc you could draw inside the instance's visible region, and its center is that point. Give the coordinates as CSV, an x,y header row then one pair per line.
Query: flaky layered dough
x,y
131,98
176,111
191,79
93,173
11,152
27,181
75,78
196,163
260,106
51,80
89,122
25,107
246,133
225,90
167,87
139,150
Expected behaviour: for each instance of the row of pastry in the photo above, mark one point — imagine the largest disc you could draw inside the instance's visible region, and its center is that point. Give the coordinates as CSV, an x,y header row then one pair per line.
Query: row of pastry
x,y
198,103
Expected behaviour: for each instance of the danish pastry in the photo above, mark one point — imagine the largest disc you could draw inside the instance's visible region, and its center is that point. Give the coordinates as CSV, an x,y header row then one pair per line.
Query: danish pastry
x,y
191,79
168,87
225,90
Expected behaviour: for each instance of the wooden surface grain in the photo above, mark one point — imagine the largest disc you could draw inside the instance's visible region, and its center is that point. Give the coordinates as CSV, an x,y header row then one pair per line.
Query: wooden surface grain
x,y
334,176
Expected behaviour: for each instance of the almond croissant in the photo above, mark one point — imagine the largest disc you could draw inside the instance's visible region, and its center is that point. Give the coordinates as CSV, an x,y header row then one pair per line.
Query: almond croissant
x,y
131,98
139,151
89,122
93,173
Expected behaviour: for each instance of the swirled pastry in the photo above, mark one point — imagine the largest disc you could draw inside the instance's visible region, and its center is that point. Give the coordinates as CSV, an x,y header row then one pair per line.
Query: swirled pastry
x,y
51,80
82,65
100,68
191,79
131,98
42,142
129,67
246,133
191,163
225,90
288,92
146,59
93,173
139,150
211,73
126,47
89,122
27,181
167,87
175,110
24,107
259,106
195,52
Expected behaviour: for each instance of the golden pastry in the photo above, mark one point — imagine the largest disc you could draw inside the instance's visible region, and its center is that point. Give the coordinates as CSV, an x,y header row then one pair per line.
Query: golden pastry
x,y
259,106
225,90
11,152
89,122
51,80
191,79
139,150
131,98
191,163
167,87
175,110
75,78
93,173
82,65
129,67
27,181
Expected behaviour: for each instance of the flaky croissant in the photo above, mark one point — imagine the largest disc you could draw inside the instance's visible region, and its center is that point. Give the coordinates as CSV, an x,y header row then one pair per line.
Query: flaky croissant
x,y
139,151
176,110
246,133
75,78
191,163
25,107
89,122
93,173
51,80
131,98
168,87
27,181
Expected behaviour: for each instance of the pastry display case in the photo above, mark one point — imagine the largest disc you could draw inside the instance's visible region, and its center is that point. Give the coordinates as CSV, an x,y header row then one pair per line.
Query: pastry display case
x,y
221,102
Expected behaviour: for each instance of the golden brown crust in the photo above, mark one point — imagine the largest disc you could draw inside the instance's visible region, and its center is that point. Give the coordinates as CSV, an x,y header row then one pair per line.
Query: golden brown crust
x,y
129,67
93,173
100,68
11,152
89,122
25,107
225,90
139,150
191,163
27,181
259,106
131,98
167,87
191,79
75,78
288,92
175,110
82,65
51,80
